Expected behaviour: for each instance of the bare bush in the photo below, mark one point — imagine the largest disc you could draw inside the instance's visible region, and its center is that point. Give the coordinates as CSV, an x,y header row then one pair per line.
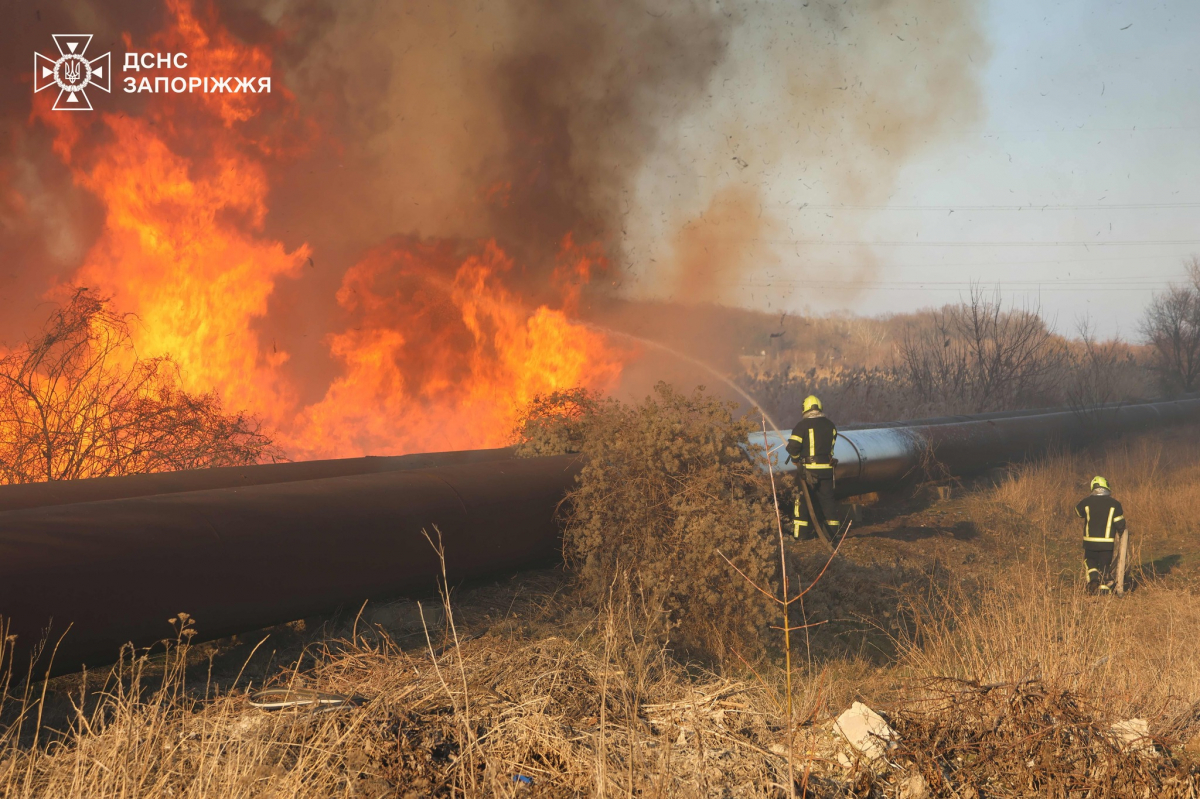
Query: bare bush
x,y
985,356
76,401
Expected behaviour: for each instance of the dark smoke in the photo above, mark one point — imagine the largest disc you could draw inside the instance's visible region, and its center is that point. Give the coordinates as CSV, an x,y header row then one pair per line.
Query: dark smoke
x,y
520,121
680,135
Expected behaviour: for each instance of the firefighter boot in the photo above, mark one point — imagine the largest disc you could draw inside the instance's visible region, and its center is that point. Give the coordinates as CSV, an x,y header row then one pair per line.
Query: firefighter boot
x,y
1093,585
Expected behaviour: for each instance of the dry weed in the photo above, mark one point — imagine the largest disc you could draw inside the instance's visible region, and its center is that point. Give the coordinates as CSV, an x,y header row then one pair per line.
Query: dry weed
x,y
1029,739
666,484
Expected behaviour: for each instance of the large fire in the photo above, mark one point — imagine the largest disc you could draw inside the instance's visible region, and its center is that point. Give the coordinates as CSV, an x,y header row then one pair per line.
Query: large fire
x,y
437,352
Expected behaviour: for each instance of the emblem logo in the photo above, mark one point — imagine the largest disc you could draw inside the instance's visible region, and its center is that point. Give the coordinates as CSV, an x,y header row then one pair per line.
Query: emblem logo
x,y
72,72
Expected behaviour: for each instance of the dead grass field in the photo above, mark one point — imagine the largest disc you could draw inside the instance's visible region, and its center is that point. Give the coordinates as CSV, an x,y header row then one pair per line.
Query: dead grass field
x,y
961,619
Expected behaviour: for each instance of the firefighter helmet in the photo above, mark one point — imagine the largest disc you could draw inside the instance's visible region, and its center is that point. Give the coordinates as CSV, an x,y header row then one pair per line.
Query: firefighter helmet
x,y
1099,482
811,402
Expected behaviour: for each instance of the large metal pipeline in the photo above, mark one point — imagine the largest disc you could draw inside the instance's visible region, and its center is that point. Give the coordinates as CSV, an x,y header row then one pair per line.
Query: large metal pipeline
x,y
881,457
243,548
97,489
247,557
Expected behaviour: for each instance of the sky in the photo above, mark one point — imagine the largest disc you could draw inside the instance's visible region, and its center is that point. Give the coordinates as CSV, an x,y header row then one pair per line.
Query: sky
x,y
1075,186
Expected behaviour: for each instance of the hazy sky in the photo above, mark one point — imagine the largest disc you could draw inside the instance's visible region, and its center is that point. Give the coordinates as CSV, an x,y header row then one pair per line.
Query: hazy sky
x,y
1090,124
1093,107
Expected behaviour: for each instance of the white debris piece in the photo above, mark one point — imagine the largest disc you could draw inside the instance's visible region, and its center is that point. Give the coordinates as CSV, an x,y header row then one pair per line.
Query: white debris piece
x,y
866,731
914,787
1133,736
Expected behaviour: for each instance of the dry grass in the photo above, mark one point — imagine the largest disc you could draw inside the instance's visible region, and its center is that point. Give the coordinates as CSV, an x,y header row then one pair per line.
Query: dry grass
x,y
585,707
1156,477
1011,668
1014,691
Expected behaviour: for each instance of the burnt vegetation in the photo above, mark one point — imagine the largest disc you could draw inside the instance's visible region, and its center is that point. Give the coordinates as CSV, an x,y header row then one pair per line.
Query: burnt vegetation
x,y
76,401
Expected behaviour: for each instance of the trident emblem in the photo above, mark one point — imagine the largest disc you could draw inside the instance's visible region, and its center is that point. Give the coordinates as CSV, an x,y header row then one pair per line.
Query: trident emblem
x,y
72,73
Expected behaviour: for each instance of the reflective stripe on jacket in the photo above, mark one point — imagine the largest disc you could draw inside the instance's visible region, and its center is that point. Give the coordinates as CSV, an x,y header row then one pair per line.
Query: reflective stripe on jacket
x,y
1103,520
812,442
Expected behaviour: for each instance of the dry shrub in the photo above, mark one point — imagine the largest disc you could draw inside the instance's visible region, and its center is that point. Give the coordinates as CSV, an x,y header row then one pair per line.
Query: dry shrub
x,y
1012,689
1171,326
976,355
666,484
555,423
1028,739
76,401
985,356
853,395
1102,371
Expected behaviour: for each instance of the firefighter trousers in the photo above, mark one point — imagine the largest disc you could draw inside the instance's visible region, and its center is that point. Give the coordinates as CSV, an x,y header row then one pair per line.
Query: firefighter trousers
x,y
1099,565
820,489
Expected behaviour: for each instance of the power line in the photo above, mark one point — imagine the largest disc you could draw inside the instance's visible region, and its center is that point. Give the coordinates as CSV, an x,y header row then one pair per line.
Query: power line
x,y
1030,207
944,288
848,243
1148,280
1090,261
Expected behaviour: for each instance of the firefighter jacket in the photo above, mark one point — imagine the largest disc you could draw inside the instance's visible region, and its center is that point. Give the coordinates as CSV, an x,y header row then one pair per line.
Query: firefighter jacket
x,y
812,440
1103,520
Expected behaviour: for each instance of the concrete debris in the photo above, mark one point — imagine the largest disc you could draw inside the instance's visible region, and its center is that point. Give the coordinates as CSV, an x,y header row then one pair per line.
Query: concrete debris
x,y
866,732
1132,736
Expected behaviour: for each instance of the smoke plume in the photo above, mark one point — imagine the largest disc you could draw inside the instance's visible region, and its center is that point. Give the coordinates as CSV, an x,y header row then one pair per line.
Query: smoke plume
x,y
401,235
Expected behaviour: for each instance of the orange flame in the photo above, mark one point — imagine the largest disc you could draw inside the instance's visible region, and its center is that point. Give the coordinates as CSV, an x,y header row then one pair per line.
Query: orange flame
x,y
445,365
428,361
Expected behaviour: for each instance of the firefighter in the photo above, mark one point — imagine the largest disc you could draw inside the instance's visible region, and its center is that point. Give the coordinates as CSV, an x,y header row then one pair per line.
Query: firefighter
x,y
1103,520
810,447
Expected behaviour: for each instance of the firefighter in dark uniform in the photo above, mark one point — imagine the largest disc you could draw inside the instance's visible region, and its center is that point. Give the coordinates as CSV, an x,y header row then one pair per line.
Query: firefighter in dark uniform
x,y
810,447
1103,520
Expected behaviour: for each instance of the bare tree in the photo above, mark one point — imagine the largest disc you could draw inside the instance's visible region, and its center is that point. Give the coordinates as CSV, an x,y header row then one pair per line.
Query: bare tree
x,y
1101,371
982,356
76,401
1171,327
